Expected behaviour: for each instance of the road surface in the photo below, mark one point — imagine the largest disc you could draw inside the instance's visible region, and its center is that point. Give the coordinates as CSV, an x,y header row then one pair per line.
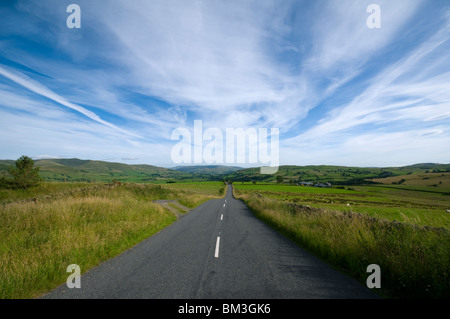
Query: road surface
x,y
217,250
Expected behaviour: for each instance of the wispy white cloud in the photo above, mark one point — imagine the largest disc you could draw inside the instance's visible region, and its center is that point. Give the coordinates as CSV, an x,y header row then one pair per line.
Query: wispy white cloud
x,y
137,70
207,57
399,92
342,38
66,136
40,89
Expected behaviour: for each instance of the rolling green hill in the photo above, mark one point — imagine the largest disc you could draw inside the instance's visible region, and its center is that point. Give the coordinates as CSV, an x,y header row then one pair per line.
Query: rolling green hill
x,y
90,171
337,175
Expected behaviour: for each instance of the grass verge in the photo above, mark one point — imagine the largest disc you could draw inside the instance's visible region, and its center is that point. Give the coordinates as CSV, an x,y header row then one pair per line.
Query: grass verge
x,y
413,260
39,239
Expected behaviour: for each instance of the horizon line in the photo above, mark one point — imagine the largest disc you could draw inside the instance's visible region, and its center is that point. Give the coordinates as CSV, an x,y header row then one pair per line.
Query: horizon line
x,y
36,158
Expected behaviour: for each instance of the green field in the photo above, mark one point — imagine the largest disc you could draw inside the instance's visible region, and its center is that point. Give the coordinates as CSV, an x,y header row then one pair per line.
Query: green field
x,y
199,192
413,204
343,175
76,170
216,188
425,180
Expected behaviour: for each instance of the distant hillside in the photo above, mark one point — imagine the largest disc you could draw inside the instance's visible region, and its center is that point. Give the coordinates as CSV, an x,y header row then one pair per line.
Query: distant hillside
x,y
208,169
441,180
337,175
87,170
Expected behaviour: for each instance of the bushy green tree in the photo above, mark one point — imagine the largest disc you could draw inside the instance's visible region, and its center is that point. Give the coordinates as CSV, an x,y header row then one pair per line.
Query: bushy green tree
x,y
24,173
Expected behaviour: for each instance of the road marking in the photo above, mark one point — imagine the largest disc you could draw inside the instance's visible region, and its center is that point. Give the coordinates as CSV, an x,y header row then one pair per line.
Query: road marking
x,y
221,217
223,205
216,254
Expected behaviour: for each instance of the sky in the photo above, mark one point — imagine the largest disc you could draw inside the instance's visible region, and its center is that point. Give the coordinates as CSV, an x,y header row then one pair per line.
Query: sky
x,y
117,87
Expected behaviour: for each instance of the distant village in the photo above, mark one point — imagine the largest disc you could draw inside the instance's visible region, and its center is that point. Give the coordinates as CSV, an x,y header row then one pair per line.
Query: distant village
x,y
311,184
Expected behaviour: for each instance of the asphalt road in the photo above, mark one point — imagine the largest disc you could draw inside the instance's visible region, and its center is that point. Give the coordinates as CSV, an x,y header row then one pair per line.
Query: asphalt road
x,y
217,250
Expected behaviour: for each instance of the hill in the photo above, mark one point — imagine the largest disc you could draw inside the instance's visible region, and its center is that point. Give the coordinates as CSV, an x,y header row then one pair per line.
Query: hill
x,y
433,179
89,171
337,175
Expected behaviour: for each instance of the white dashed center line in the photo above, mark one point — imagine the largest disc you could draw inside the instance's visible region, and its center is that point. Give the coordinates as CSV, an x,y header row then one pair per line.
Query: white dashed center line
x,y
216,254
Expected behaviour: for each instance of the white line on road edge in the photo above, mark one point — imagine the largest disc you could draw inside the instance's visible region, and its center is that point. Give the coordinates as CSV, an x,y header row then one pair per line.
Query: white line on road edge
x,y
216,254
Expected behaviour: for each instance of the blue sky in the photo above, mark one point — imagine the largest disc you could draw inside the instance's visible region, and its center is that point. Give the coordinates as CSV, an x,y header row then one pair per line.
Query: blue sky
x,y
115,89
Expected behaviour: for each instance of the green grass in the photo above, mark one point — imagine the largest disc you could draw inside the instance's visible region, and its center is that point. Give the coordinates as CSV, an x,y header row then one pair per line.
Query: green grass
x,y
199,192
38,240
204,188
412,204
337,174
76,170
414,255
286,188
45,188
426,180
413,260
416,216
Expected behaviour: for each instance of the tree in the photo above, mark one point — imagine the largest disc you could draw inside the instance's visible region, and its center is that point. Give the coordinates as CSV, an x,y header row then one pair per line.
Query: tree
x,y
24,172
279,179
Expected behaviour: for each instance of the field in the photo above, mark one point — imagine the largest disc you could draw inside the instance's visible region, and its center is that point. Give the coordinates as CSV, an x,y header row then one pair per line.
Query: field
x,y
403,229
46,228
412,204
198,192
343,175
436,180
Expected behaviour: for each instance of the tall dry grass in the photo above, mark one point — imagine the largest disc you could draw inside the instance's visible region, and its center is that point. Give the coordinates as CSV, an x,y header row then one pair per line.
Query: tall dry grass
x,y
39,239
8,195
414,260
